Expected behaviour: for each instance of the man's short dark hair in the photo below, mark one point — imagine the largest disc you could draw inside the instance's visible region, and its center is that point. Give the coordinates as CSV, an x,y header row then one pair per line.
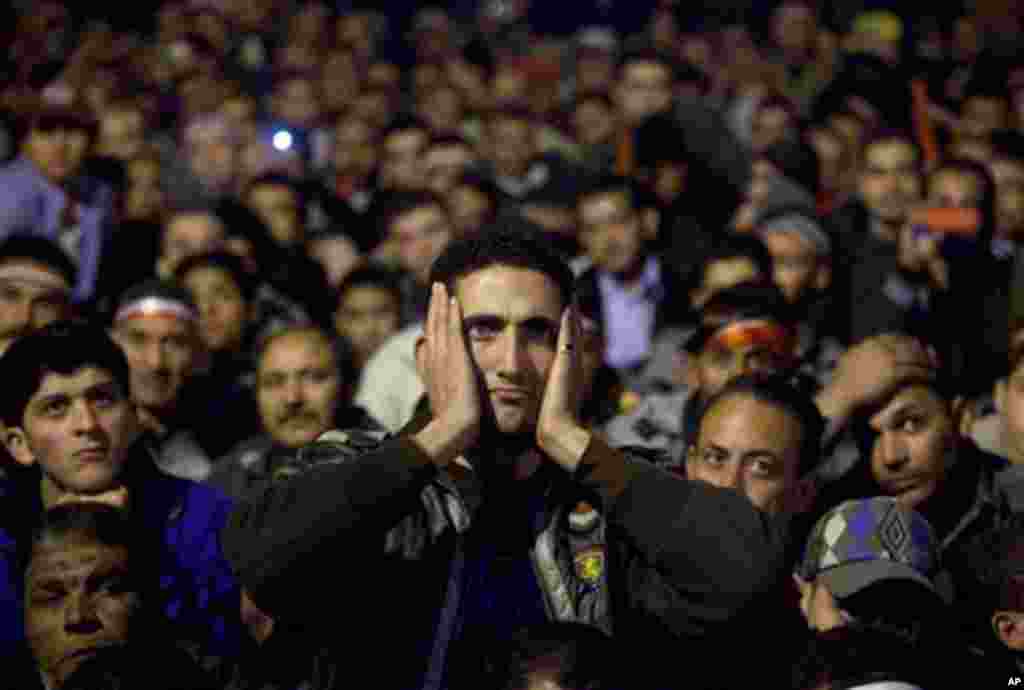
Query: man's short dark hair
x,y
398,203
779,391
647,55
448,141
63,348
226,261
508,243
609,183
41,251
371,276
404,122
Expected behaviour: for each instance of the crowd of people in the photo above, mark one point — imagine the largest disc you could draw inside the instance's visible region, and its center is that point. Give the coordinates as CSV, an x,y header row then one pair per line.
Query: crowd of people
x,y
461,355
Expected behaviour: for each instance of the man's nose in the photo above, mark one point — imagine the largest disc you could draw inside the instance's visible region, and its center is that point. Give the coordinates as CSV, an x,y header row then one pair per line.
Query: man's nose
x,y
729,476
513,355
154,356
80,614
893,450
85,418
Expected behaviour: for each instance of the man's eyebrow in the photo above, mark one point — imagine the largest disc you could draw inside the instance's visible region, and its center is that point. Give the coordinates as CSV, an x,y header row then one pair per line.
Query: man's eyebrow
x,y
483,320
539,322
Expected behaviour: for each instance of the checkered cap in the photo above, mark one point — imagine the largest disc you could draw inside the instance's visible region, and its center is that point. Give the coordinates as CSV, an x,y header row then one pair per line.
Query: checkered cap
x,y
859,543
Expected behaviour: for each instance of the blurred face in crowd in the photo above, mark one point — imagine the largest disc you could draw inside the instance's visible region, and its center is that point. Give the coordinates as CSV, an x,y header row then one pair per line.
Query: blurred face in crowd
x,y
78,598
595,70
890,179
339,81
511,144
401,165
297,102
354,149
470,209
444,164
298,387
593,122
77,428
770,126
214,157
421,234
750,446
509,85
1008,175
794,29
954,188
798,270
745,347
161,352
278,206
367,316
914,444
185,235
374,106
222,307
829,148
144,199
336,254
441,108
32,295
613,233
57,151
983,115
644,89
120,134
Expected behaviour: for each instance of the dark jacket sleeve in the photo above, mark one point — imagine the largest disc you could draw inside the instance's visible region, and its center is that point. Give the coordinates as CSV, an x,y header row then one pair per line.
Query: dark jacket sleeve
x,y
307,533
709,551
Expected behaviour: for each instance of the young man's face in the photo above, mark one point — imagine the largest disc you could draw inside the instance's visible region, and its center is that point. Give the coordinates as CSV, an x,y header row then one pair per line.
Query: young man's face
x,y
58,153
795,264
187,235
914,445
745,347
612,232
367,316
890,181
444,165
121,134
511,317
354,152
161,352
401,165
32,295
593,123
752,447
78,598
644,89
78,429
298,388
421,235
222,308
278,207
511,143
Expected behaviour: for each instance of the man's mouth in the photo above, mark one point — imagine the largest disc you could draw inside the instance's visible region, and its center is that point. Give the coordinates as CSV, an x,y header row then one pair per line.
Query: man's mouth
x,y
93,453
510,395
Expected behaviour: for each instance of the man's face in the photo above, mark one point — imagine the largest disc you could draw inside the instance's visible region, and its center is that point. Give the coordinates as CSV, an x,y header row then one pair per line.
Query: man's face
x,y
982,116
828,146
442,109
278,207
185,236
161,352
746,347
222,308
78,598
794,27
31,296
297,102
298,388
401,166
890,181
1008,175
511,144
951,188
794,262
421,234
593,123
120,134
914,443
366,317
611,232
771,125
511,317
78,429
214,159
644,89
445,164
58,153
144,199
354,152
752,447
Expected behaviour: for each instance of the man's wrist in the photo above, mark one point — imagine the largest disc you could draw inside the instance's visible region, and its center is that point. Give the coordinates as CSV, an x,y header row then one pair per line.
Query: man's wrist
x,y
565,445
442,441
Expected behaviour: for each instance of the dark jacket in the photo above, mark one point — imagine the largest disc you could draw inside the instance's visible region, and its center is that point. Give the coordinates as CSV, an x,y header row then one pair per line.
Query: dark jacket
x,y
380,537
198,590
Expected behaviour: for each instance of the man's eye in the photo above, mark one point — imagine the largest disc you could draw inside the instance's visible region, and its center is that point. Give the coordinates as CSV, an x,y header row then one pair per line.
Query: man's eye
x,y
763,467
911,425
47,595
482,331
55,408
712,457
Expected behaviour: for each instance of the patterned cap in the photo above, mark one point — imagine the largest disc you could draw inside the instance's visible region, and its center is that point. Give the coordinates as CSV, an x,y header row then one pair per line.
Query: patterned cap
x,y
859,543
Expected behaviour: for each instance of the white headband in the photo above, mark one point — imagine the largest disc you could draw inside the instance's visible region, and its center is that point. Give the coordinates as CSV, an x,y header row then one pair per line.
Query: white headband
x,y
156,306
20,273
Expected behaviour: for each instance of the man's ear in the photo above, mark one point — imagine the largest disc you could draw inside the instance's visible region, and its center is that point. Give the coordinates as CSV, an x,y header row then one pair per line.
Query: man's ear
x,y
999,395
1009,628
17,445
963,414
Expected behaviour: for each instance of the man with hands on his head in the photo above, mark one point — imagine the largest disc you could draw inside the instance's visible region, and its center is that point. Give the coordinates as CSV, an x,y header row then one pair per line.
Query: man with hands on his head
x,y
473,500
